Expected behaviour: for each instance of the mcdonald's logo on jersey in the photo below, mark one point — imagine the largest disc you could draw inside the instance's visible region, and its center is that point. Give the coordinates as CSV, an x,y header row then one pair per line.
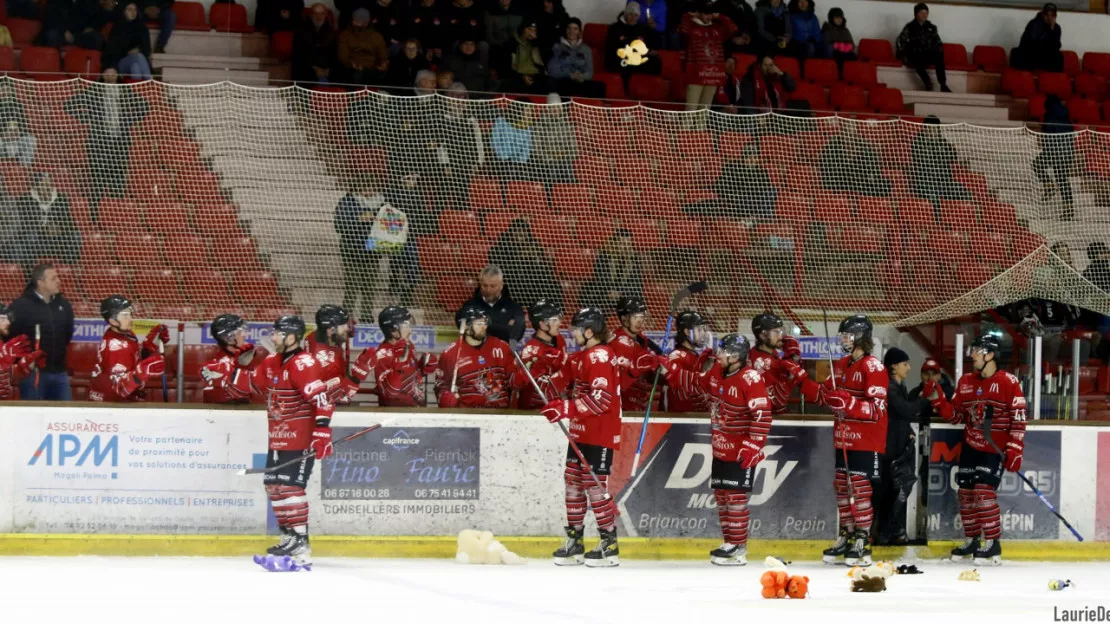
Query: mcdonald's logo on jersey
x,y
497,353
994,387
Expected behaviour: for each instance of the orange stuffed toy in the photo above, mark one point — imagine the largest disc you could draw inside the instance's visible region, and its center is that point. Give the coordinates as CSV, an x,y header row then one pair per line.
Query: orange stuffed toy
x,y
797,586
774,583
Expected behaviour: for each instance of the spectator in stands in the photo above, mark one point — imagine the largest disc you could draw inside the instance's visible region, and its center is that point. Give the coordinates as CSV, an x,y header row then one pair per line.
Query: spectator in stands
x,y
468,68
773,25
848,163
1098,269
524,264
618,272
706,33
464,21
653,14
314,46
426,25
407,195
42,305
11,245
556,147
838,39
806,40
161,11
1057,153
931,160
11,109
425,82
98,16
361,131
128,46
61,20
503,22
353,222
461,151
763,88
745,189
110,111
444,81
626,30
526,73
389,19
743,16
1040,44
404,67
551,26
48,227
362,51
572,65
273,16
919,46
25,9
506,317
17,144
511,142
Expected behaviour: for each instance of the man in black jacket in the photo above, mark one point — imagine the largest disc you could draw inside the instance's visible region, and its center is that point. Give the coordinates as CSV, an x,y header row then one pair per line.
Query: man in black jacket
x,y
1040,44
42,305
506,317
899,465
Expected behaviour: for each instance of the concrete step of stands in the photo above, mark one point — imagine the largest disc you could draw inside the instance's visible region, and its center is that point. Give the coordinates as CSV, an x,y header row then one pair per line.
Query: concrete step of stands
x,y
959,81
193,76
990,100
950,113
278,72
213,43
241,172
216,140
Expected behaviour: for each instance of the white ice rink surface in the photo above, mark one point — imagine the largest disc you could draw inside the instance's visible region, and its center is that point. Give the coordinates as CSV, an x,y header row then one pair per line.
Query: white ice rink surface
x,y
373,591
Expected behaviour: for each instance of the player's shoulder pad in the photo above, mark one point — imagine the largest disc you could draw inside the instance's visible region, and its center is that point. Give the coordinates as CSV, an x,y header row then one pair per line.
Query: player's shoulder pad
x,y
873,364
304,360
600,354
751,376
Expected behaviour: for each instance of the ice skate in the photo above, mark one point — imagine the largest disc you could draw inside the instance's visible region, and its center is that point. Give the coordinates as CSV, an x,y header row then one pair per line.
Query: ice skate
x,y
989,553
281,548
606,555
729,555
839,549
573,551
300,552
969,547
859,553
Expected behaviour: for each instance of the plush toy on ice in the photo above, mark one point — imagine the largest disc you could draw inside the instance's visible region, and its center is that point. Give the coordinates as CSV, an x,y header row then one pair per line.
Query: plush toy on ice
x,y
871,579
479,548
778,583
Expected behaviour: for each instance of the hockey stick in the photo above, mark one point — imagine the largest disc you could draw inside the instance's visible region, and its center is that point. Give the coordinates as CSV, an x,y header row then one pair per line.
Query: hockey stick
x,y
679,297
573,444
987,435
843,448
458,358
250,471
38,343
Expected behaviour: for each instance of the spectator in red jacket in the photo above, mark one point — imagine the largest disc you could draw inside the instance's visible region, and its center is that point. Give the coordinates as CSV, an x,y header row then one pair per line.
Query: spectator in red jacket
x,y
706,33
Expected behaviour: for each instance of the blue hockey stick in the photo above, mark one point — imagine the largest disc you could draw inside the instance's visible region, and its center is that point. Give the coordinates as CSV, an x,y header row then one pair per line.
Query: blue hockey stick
x,y
692,289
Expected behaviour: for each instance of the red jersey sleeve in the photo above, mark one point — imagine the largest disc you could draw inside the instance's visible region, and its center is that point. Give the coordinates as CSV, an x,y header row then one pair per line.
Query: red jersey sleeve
x,y
1017,415
872,406
596,389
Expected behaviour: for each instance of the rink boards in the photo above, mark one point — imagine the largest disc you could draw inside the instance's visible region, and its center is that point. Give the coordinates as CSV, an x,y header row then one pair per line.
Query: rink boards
x,y
132,471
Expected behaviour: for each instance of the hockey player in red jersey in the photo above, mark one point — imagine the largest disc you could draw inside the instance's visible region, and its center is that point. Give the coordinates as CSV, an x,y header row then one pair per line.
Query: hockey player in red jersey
x,y
594,411
740,419
230,333
637,356
328,345
779,373
476,371
689,354
17,355
990,405
299,414
123,366
545,354
399,371
856,393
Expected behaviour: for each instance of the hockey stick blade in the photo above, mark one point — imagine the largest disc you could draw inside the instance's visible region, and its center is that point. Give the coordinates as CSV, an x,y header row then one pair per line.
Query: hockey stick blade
x,y
357,434
693,289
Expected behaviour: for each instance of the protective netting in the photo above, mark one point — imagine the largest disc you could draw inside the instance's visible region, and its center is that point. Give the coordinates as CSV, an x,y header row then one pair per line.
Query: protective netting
x,y
201,200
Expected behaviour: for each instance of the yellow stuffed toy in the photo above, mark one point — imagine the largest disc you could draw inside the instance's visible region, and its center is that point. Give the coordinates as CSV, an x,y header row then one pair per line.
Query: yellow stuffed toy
x,y
479,548
633,54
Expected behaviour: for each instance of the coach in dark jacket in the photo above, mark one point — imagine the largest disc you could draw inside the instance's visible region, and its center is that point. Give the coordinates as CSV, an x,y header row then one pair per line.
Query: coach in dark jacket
x,y
899,465
43,305
506,317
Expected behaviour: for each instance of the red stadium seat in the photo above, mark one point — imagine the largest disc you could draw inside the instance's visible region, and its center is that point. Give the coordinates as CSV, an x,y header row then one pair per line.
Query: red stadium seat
x,y
215,220
485,194
454,224
743,62
575,264
832,208
119,215
684,232
98,249
167,219
615,201
1105,109
1036,106
794,207
990,58
955,58
959,215
848,99
529,197
572,199
648,88
671,61
1084,111
138,250
1071,62
659,203
190,16
594,35
887,101
697,144
155,286
732,144
7,60
1097,63
101,282
235,252
281,45
1018,83
876,210
879,52
861,74
614,85
789,65
23,31
821,71
226,17
1054,83
12,282
260,288
497,221
39,63
210,286
917,212
82,63
593,169
185,250
1091,86
813,94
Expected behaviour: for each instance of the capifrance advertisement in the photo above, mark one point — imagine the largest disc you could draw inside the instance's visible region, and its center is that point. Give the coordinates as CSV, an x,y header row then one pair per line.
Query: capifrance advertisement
x,y
175,471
